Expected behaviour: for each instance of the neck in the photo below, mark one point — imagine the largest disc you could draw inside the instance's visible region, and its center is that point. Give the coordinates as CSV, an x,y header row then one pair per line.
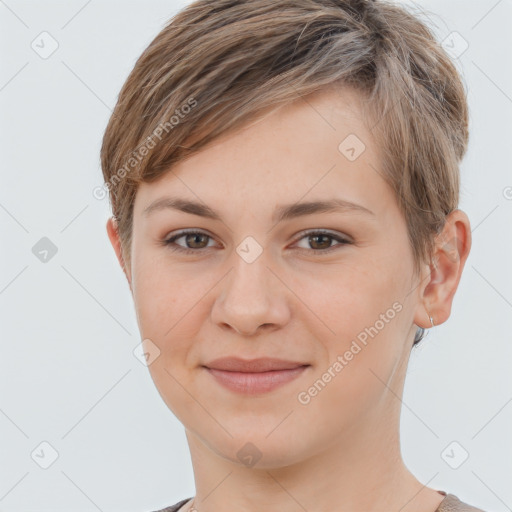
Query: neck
x,y
360,471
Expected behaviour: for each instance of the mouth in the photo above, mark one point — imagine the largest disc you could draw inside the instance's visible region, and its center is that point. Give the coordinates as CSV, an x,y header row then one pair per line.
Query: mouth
x,y
254,376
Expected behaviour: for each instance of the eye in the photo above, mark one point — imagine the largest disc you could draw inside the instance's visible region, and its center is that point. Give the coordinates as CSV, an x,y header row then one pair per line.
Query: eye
x,y
194,241
320,241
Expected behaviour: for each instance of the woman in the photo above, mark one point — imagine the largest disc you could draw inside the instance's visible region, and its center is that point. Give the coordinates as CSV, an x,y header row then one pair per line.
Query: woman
x,y
284,178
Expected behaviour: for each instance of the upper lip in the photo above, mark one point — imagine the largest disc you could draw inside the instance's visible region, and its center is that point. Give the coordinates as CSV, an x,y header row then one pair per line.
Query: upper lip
x,y
262,364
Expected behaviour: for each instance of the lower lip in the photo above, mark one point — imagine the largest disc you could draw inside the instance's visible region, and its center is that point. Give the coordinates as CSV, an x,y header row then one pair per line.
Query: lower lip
x,y
254,383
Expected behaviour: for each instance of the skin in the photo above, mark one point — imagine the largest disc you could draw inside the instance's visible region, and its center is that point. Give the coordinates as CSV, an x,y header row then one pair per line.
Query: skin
x,y
340,451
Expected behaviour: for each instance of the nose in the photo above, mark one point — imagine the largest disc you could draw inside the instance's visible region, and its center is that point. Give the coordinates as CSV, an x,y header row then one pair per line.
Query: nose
x,y
251,298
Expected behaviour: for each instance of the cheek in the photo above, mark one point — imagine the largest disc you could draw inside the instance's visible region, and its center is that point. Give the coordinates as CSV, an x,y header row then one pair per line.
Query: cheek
x,y
164,298
169,309
359,362
361,317
346,299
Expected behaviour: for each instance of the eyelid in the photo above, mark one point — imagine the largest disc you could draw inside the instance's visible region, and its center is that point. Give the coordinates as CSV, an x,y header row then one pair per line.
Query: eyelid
x,y
320,231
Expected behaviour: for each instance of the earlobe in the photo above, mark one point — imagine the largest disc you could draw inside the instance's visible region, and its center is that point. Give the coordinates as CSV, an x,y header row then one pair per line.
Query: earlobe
x,y
452,248
115,240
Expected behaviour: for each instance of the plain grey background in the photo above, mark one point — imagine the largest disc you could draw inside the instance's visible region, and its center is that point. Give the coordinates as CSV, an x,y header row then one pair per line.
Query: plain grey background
x,y
75,398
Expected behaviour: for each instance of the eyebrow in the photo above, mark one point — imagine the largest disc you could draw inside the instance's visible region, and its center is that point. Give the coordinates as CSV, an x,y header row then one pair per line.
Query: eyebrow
x,y
281,212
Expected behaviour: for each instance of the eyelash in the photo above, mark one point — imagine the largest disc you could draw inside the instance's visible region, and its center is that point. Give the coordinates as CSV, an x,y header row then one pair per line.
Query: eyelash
x,y
318,252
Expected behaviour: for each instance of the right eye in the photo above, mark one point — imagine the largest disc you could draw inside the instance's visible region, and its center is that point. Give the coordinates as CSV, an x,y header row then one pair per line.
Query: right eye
x,y
194,241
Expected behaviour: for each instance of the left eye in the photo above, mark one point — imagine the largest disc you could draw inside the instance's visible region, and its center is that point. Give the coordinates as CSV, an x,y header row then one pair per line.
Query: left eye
x,y
322,240
197,240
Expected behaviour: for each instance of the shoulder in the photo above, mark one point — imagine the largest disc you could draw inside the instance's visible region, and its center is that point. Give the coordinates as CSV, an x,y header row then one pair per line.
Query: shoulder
x,y
451,503
174,508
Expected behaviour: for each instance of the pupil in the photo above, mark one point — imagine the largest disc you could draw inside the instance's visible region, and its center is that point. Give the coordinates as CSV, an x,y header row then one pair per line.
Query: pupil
x,y
194,238
325,237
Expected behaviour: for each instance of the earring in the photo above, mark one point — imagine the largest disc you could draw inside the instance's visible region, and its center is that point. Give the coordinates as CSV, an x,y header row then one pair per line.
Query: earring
x,y
420,333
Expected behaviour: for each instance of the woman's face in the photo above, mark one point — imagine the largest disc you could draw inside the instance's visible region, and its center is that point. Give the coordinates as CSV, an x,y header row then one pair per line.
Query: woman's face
x,y
254,284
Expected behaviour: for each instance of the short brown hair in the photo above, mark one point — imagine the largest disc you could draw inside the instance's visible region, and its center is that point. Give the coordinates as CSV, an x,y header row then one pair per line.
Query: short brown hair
x,y
217,65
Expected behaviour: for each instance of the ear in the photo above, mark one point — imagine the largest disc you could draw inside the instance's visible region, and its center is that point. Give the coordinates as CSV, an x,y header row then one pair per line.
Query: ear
x,y
115,240
438,288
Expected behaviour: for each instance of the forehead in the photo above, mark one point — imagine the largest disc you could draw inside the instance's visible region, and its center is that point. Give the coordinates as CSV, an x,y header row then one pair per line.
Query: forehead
x,y
315,145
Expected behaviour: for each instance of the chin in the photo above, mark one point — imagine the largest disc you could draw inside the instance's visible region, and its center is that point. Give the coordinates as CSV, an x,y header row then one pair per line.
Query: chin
x,y
253,448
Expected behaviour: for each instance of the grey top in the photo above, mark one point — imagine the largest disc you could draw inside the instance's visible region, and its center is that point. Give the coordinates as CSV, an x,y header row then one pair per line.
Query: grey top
x,y
449,504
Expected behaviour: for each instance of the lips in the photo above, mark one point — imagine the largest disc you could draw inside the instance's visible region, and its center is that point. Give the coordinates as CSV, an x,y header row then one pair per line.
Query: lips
x,y
262,364
255,376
